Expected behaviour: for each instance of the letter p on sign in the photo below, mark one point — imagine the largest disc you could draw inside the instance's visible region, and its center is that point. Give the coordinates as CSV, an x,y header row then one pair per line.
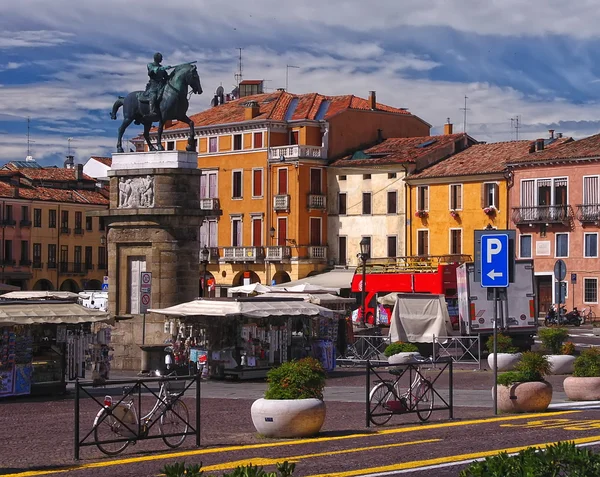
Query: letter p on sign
x,y
494,246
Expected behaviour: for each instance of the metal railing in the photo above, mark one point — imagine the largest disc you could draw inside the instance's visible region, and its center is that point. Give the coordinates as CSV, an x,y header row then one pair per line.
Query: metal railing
x,y
364,348
424,263
460,349
541,214
588,212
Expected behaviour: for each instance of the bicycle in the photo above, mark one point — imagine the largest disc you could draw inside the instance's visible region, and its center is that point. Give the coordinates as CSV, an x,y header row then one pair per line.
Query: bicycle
x,y
121,421
588,316
386,397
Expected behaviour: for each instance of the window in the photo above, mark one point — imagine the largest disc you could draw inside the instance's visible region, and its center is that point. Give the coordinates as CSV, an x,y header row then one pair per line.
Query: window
x,y
208,185
422,242
236,232
342,203
88,258
37,217
79,221
257,226
315,182
392,202
258,140
64,219
257,182
212,144
77,255
423,198
342,250
88,223
455,241
282,179
64,258
590,290
456,197
24,212
392,175
293,138
489,196
101,223
392,246
590,241
237,185
51,255
208,233
237,142
525,246
315,231
342,178
37,255
366,203
366,177
170,145
24,252
102,264
562,245
8,214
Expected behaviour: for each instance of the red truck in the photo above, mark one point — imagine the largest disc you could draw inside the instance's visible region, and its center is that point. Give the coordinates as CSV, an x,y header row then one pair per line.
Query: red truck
x,y
422,274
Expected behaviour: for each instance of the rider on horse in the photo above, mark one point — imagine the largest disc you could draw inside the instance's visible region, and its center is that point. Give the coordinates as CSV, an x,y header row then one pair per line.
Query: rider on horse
x,y
158,79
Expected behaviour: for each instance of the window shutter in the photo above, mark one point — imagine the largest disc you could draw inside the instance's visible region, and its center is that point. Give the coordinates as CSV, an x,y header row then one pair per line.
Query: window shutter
x,y
496,196
483,198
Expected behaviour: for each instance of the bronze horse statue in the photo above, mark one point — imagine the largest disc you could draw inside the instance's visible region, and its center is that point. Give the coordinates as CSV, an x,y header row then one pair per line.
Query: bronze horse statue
x,y
173,105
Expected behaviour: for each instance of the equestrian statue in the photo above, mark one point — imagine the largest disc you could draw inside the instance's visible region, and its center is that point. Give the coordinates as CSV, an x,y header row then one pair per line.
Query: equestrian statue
x,y
165,98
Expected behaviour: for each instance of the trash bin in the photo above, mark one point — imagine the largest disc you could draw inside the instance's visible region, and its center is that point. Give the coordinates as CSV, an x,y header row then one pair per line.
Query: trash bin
x,y
153,357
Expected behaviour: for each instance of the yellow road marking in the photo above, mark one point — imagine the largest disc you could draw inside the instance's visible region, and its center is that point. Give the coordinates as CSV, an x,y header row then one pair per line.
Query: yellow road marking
x,y
175,455
445,460
566,424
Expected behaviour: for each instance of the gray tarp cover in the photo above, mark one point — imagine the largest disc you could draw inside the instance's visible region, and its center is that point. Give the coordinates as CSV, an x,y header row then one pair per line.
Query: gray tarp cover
x,y
53,313
417,317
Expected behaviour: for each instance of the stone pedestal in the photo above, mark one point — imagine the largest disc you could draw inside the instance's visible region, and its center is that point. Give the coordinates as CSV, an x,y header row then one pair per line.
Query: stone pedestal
x,y
153,225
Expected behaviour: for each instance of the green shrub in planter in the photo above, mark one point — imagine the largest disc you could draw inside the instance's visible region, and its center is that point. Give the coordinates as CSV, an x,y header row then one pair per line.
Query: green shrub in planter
x,y
532,367
561,458
504,344
587,365
179,469
553,339
399,347
302,379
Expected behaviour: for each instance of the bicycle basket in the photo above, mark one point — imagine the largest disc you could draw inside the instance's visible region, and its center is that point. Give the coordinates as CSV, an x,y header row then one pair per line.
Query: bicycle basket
x,y
175,387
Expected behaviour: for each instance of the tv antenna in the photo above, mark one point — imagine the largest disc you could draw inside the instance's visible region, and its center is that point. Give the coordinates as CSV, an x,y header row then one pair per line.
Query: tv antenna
x,y
239,75
464,110
287,74
516,124
69,145
29,141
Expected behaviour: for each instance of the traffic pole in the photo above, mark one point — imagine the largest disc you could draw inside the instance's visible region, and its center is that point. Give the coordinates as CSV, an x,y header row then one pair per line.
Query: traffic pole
x,y
495,291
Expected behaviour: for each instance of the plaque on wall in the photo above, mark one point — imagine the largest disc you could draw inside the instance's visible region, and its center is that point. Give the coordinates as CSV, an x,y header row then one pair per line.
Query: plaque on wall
x,y
542,248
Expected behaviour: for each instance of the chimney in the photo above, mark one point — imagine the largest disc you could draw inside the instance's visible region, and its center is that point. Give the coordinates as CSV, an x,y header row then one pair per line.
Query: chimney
x,y
558,135
448,128
380,135
372,100
15,192
78,172
251,110
551,132
539,145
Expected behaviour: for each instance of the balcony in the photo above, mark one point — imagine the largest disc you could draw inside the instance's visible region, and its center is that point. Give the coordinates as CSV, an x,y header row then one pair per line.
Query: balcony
x,y
588,213
317,252
296,152
65,231
543,214
278,254
78,231
103,266
51,265
37,264
210,204
281,202
24,263
243,254
9,223
88,266
9,262
71,267
25,223
317,201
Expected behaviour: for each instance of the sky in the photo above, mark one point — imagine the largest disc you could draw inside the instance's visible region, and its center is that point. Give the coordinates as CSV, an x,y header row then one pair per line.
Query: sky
x,y
63,63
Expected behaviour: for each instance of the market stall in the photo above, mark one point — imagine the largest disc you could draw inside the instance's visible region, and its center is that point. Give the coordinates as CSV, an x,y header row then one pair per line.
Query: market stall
x,y
42,342
245,337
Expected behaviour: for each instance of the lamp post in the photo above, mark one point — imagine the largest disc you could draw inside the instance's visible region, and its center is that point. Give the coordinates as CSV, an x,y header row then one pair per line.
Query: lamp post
x,y
204,255
365,246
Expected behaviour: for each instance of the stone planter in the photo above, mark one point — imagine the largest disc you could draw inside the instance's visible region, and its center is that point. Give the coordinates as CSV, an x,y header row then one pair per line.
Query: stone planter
x,y
506,361
288,417
403,358
582,389
596,330
561,363
524,397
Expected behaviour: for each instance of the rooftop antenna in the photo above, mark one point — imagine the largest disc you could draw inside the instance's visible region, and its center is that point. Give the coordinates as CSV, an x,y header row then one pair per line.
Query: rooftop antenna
x,y
287,74
29,141
69,145
515,123
238,76
464,110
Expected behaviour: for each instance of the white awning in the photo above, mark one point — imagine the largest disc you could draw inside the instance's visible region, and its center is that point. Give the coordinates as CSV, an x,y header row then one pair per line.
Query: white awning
x,y
48,313
316,298
38,295
337,278
247,289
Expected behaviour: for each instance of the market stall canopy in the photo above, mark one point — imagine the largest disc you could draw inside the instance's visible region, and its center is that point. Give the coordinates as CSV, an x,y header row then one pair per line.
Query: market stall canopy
x,y
48,313
6,287
337,278
251,308
252,288
317,299
39,295
305,288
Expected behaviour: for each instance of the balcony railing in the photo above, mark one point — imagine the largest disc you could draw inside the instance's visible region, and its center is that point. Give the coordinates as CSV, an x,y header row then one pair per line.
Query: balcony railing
x,y
281,202
317,201
65,230
210,204
25,223
279,253
24,262
9,262
588,212
88,266
37,264
297,152
243,254
78,231
102,266
71,267
8,222
317,252
549,214
51,265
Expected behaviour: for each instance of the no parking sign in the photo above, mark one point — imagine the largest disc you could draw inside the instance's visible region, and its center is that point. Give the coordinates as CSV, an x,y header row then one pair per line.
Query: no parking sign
x,y
145,291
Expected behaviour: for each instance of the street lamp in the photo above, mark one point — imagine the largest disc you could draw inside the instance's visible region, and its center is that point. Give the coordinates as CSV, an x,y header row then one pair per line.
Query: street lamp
x,y
365,246
204,255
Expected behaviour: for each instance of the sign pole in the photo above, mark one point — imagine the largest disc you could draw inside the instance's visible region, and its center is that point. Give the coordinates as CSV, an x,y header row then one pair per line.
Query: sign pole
x,y
144,328
495,290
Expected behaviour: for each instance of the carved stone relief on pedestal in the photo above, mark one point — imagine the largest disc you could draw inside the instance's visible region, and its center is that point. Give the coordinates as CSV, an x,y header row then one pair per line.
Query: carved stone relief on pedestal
x,y
136,192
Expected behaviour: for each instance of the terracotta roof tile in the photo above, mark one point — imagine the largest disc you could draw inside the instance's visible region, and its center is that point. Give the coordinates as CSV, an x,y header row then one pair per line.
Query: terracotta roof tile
x,y
61,195
107,161
53,174
567,149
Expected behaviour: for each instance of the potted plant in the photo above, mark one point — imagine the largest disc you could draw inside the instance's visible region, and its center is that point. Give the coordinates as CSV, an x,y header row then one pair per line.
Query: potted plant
x,y
421,213
553,340
506,354
489,210
454,214
584,385
293,404
525,390
401,353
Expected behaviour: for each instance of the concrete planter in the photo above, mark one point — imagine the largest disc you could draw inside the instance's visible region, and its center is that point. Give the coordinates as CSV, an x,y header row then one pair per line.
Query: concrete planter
x,y
403,358
288,417
596,330
582,389
524,397
561,363
506,361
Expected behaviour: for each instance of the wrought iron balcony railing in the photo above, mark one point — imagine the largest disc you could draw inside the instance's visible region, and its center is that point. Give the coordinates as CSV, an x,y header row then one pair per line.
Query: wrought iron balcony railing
x,y
588,212
549,214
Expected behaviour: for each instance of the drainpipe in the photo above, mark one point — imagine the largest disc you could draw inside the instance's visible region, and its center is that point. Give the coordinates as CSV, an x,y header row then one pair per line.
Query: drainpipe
x,y
57,258
407,201
268,208
3,240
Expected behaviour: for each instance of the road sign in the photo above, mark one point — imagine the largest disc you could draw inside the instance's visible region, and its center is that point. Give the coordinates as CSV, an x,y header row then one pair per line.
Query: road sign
x,y
494,260
573,278
145,291
105,279
105,287
512,235
560,270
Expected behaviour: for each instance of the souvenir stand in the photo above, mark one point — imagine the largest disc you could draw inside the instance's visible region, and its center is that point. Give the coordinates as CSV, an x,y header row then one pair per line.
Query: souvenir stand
x,y
44,341
243,337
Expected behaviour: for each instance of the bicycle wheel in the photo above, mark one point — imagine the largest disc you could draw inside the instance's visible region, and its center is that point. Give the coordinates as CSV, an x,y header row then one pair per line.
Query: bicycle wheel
x,y
106,428
378,399
424,400
591,317
175,421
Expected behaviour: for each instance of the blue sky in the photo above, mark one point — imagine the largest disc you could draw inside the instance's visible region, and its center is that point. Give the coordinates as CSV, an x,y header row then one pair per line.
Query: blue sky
x,y
62,63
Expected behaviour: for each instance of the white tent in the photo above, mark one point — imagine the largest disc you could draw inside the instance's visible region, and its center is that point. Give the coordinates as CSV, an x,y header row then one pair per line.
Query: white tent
x,y
248,289
48,313
39,295
251,308
317,298
337,278
305,288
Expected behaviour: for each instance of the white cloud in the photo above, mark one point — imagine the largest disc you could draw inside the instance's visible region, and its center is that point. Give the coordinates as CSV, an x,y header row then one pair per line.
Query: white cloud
x,y
31,38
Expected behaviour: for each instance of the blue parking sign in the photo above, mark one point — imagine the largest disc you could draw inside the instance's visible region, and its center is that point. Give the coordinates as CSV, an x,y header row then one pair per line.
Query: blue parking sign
x,y
494,260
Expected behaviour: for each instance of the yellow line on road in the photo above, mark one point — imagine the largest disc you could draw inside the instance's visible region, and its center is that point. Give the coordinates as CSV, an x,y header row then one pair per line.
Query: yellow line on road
x,y
175,455
445,460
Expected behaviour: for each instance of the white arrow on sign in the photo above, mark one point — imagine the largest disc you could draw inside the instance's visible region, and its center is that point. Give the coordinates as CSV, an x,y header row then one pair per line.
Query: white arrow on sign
x,y
493,274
